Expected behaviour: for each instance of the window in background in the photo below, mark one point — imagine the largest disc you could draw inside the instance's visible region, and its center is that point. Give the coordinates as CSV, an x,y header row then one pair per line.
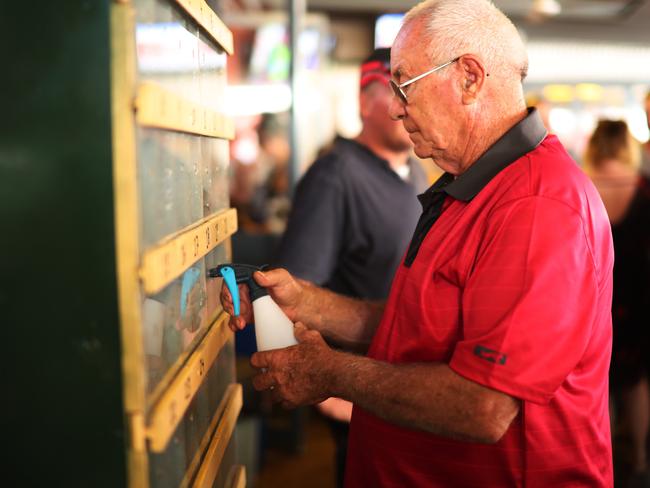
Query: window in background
x,y
386,28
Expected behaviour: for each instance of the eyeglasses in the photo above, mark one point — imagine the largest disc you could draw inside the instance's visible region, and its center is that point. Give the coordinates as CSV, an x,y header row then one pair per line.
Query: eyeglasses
x,y
397,89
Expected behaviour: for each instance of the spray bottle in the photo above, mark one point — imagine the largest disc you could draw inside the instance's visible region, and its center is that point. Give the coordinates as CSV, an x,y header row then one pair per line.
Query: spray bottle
x,y
273,329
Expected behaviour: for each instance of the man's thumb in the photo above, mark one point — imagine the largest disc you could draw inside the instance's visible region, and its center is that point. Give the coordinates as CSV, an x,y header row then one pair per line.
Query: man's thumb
x,y
300,331
271,277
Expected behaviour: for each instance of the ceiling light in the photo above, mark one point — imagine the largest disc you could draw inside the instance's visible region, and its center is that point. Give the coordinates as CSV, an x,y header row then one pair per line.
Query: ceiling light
x,y
546,7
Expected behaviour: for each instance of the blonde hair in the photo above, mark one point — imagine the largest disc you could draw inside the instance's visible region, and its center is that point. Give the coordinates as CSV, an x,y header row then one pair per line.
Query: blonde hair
x,y
612,140
457,27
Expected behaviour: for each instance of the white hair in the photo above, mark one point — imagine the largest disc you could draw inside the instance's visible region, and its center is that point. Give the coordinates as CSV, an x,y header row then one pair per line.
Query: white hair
x,y
457,27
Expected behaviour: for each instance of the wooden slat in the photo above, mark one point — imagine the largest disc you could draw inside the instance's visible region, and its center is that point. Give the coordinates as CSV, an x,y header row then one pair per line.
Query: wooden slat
x,y
175,254
237,478
172,405
163,385
214,455
160,108
206,18
207,438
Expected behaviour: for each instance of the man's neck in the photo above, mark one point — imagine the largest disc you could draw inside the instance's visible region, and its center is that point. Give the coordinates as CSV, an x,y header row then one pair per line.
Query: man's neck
x,y
490,131
395,159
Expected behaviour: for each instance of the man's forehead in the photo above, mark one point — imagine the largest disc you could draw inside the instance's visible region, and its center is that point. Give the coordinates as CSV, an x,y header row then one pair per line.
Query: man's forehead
x,y
401,64
398,62
407,49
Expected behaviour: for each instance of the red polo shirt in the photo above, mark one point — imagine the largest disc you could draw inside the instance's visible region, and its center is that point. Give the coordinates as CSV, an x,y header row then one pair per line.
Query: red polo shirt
x,y
512,288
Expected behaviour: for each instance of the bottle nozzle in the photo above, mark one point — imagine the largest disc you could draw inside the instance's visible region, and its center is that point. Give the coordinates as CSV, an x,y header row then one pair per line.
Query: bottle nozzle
x,y
233,274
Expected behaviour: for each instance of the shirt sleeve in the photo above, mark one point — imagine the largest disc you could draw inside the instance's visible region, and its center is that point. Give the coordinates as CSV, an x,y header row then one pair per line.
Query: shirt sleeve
x,y
313,238
530,300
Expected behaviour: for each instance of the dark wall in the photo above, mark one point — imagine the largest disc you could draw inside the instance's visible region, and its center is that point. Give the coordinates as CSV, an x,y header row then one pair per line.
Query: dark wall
x,y
62,413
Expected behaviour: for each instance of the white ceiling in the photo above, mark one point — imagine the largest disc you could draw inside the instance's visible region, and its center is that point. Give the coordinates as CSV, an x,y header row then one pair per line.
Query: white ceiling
x,y
621,21
575,9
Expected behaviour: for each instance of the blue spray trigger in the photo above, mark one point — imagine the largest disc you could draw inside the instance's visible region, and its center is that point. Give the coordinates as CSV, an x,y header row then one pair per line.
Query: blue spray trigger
x,y
231,282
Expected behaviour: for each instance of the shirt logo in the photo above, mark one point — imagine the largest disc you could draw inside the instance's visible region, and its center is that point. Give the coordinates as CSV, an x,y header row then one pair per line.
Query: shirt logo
x,y
490,355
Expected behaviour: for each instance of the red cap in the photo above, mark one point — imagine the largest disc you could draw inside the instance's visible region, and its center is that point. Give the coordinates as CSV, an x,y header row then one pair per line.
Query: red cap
x,y
376,68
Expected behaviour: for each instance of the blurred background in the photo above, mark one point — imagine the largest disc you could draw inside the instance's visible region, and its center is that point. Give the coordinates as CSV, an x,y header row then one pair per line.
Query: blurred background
x,y
290,86
589,59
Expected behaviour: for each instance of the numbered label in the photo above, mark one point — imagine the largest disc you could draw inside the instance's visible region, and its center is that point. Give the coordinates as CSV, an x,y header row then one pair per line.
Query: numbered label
x,y
165,262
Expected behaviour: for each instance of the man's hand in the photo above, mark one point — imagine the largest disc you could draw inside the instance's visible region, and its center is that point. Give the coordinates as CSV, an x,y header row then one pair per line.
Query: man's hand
x,y
283,288
297,375
345,321
336,408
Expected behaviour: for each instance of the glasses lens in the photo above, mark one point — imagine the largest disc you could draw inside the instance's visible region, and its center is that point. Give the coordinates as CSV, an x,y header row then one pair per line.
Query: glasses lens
x,y
397,91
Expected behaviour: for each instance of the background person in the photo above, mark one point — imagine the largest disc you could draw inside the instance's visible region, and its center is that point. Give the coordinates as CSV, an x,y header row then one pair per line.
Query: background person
x,y
353,213
645,149
612,161
488,364
259,188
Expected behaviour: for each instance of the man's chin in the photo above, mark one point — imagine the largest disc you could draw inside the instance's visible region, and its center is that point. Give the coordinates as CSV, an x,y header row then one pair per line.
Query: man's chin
x,y
422,153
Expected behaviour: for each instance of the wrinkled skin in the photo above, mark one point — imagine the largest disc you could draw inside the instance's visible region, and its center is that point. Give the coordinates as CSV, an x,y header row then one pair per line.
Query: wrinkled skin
x,y
298,374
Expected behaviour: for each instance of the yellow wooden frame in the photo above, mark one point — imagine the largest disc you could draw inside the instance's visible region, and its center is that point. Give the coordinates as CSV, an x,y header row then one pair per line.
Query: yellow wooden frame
x,y
158,107
215,451
123,82
148,105
211,23
175,254
169,410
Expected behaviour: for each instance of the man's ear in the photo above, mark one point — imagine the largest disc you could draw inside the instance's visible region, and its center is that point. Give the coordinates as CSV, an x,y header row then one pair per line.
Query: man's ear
x,y
472,79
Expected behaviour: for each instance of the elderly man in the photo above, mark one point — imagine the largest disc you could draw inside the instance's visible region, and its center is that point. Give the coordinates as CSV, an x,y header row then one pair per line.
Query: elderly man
x,y
488,364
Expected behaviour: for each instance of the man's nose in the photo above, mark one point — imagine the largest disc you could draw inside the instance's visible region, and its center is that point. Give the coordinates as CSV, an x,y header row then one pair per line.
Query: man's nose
x,y
396,109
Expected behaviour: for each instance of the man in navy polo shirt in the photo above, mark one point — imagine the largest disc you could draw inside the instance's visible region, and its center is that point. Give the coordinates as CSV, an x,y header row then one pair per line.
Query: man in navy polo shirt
x,y
342,233
488,364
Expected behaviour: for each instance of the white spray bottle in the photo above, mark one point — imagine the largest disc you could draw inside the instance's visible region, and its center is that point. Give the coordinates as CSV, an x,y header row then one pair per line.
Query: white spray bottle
x,y
273,329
